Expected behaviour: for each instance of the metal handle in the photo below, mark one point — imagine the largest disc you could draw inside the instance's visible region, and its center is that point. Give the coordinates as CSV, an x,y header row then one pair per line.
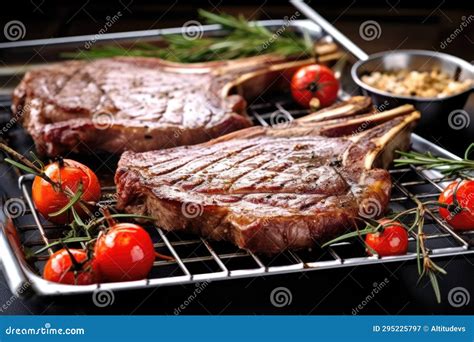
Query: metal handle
x,y
12,270
330,29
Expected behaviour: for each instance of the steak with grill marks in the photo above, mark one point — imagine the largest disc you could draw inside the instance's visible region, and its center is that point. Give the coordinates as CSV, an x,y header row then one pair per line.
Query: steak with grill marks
x,y
270,189
142,104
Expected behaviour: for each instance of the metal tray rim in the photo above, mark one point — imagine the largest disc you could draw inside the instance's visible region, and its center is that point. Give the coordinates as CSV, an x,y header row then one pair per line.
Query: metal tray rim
x,y
23,275
305,24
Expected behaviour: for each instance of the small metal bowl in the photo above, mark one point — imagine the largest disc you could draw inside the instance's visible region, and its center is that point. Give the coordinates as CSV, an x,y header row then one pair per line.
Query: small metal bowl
x,y
434,111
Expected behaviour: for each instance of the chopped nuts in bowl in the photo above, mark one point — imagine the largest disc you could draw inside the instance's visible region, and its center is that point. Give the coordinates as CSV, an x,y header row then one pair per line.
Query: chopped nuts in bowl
x,y
434,84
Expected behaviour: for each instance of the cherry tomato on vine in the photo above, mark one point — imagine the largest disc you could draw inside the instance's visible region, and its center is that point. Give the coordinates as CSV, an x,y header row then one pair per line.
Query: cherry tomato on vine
x,y
458,215
60,268
69,174
314,81
125,252
392,240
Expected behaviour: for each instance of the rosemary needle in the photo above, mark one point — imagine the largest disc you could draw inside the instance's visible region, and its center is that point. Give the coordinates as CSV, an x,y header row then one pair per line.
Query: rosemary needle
x,y
444,165
243,39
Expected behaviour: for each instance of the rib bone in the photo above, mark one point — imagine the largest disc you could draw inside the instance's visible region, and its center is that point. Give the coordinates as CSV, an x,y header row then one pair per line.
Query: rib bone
x,y
269,189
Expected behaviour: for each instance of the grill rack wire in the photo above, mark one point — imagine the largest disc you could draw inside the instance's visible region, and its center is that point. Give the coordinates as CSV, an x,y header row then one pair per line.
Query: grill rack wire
x,y
197,259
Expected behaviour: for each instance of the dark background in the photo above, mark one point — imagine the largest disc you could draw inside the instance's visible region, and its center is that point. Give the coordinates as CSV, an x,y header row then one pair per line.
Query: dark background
x,y
405,24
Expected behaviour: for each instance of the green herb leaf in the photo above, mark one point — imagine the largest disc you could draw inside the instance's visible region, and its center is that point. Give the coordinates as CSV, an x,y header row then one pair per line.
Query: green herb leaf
x,y
77,218
37,160
72,201
435,285
444,165
425,265
365,231
468,151
63,241
243,39
102,219
21,166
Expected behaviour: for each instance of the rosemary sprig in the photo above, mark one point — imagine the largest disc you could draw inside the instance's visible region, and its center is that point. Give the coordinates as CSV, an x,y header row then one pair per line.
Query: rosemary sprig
x,y
73,200
114,216
28,166
444,165
243,39
78,227
426,266
64,242
25,164
21,166
80,231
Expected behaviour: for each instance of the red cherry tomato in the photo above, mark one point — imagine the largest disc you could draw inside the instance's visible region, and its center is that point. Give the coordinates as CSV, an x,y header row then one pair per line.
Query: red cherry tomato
x,y
393,240
47,200
125,252
460,216
314,81
61,269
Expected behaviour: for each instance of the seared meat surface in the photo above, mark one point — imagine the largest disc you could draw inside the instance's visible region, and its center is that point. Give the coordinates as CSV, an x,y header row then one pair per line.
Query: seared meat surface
x,y
268,189
141,104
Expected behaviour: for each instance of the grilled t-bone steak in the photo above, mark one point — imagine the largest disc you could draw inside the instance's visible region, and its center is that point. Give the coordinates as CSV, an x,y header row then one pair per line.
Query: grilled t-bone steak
x,y
271,189
142,104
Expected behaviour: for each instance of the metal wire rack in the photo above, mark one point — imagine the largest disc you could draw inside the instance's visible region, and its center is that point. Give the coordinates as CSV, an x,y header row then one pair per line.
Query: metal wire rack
x,y
197,259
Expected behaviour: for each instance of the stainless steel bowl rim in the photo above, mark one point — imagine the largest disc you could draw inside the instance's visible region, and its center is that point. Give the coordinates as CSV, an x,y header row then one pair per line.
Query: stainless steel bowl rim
x,y
459,61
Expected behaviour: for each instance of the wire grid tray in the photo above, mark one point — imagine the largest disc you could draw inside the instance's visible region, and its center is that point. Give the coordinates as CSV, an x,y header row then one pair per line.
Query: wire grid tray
x,y
197,259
